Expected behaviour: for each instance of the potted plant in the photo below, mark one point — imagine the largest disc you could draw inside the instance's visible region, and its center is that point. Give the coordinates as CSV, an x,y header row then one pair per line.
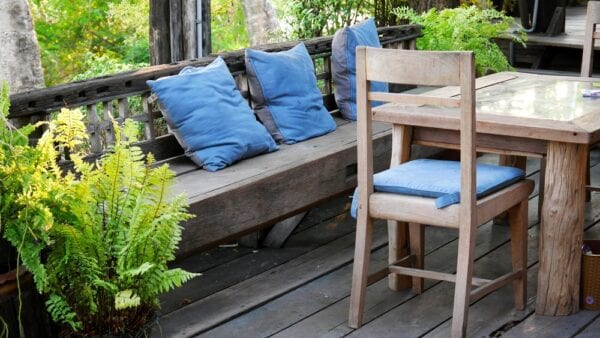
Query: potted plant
x,y
96,238
467,28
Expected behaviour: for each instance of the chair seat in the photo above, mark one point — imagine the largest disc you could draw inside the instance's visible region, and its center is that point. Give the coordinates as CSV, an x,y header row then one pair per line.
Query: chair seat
x,y
440,180
423,210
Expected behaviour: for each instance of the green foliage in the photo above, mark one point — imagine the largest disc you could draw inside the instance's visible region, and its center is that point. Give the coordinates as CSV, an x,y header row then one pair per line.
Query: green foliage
x,y
108,228
465,28
312,18
228,25
69,31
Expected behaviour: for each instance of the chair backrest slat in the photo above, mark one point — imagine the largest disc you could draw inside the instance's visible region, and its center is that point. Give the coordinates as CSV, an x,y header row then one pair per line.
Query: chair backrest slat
x,y
418,68
436,69
591,22
414,99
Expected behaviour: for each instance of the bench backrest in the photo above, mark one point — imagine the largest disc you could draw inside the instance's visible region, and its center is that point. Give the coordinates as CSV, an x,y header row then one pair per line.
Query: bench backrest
x,y
125,95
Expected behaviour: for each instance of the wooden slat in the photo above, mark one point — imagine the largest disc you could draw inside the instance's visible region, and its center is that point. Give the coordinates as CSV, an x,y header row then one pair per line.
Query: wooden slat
x,y
411,99
448,277
592,19
149,130
109,133
386,67
94,125
493,285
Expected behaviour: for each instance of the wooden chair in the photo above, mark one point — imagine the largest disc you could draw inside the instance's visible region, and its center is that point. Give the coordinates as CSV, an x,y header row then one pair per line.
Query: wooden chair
x,y
592,20
434,69
587,64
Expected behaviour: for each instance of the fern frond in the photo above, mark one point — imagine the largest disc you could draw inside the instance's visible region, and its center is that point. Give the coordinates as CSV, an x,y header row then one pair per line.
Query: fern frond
x,y
61,312
126,299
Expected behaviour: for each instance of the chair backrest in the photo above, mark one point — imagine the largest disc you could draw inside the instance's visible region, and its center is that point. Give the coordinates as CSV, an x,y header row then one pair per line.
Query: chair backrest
x,y
426,68
592,20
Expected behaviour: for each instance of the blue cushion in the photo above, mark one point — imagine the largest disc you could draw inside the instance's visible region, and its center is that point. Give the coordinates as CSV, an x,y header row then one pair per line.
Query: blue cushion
x,y
209,117
285,94
440,180
343,64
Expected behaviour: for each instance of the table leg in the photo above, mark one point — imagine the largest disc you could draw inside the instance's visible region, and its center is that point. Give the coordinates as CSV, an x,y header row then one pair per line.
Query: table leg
x,y
561,230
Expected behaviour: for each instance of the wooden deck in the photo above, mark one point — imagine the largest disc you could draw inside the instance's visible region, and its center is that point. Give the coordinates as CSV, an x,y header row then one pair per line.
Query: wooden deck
x,y
302,289
560,52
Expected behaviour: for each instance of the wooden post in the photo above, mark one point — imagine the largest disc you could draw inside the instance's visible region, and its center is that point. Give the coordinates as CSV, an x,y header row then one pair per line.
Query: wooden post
x,y
561,232
160,46
188,24
206,31
176,34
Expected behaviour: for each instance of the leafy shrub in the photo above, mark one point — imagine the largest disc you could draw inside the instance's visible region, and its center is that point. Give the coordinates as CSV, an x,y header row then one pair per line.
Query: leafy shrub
x,y
312,18
467,29
97,239
228,26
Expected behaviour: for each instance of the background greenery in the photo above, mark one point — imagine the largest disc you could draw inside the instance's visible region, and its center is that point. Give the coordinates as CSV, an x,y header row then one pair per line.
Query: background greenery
x,y
81,39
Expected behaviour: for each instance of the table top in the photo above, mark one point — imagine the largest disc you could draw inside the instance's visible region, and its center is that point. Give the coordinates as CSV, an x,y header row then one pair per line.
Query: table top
x,y
515,104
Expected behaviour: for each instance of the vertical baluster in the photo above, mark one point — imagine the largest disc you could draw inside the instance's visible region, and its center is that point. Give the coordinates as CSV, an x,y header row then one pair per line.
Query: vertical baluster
x,y
327,89
93,121
124,108
149,125
109,131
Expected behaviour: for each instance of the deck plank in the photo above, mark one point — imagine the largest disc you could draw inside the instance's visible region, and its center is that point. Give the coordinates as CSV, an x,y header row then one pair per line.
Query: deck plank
x,y
254,262
242,297
592,330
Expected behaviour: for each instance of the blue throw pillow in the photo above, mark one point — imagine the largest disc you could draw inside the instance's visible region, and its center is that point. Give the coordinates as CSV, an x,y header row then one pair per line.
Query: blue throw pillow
x,y
343,64
209,117
284,91
440,180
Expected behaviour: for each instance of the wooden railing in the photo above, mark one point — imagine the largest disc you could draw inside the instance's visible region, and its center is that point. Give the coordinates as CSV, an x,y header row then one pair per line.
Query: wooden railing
x,y
125,95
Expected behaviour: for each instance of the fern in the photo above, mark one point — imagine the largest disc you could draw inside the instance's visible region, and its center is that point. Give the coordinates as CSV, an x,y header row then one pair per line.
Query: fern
x,y
108,228
467,28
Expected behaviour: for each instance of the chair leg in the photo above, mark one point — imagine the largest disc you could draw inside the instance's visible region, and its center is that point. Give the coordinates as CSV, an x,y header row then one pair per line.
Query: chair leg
x,y
517,216
464,274
417,248
541,186
397,249
360,272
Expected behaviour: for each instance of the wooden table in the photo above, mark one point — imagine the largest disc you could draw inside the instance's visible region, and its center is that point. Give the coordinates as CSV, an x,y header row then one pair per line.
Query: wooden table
x,y
531,115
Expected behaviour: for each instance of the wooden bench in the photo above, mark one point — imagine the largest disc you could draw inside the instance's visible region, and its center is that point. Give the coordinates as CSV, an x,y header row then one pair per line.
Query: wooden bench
x,y
251,194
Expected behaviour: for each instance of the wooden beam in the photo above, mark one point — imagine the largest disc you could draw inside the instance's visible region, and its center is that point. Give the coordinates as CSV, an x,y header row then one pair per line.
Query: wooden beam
x,y
160,48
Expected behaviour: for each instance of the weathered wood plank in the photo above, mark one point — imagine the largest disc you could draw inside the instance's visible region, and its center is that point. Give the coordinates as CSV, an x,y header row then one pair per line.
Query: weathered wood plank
x,y
250,293
592,330
552,327
244,185
255,262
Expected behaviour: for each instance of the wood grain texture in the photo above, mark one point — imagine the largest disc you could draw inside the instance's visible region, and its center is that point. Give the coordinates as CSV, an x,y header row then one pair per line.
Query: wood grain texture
x,y
561,237
398,245
243,187
591,21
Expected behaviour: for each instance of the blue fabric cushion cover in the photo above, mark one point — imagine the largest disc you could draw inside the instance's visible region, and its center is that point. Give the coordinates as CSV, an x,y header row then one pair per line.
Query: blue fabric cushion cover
x,y
209,117
285,94
440,180
343,64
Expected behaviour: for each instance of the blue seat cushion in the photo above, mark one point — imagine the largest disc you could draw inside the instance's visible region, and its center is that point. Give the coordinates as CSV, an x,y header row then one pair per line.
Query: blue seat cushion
x,y
440,180
285,94
209,117
343,64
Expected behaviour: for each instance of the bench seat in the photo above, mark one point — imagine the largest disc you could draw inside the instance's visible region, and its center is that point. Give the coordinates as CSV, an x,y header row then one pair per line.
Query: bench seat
x,y
262,190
